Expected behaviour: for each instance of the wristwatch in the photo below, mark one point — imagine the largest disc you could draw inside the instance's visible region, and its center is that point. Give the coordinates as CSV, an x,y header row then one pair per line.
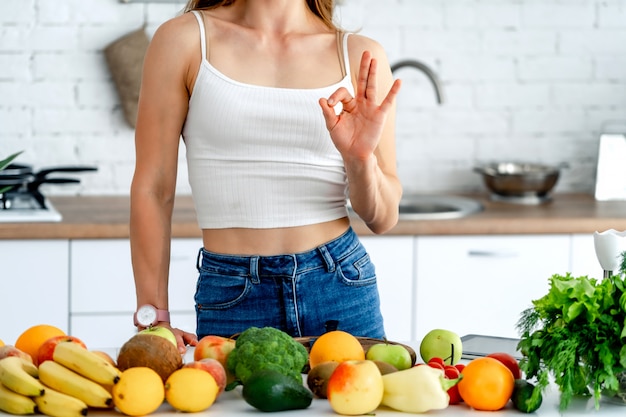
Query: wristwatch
x,y
148,315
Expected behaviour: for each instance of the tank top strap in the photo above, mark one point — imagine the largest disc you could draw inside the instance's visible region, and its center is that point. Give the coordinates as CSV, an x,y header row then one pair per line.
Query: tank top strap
x,y
202,32
345,55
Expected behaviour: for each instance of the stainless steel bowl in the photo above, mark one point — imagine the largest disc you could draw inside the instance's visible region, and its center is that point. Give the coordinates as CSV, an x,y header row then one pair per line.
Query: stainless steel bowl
x,y
519,179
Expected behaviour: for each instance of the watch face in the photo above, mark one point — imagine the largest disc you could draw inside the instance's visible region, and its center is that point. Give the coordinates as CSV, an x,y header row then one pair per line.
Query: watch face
x,y
146,315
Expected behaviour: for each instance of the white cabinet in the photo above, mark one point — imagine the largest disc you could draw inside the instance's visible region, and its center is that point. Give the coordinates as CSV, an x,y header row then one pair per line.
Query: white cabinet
x,y
33,284
583,258
102,289
481,284
393,259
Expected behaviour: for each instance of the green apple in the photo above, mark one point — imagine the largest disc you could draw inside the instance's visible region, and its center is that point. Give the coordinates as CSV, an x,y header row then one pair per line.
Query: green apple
x,y
161,332
444,344
395,355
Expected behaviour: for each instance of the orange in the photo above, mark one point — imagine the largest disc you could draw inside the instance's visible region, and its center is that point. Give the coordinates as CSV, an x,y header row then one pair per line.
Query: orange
x,y
336,345
487,384
33,337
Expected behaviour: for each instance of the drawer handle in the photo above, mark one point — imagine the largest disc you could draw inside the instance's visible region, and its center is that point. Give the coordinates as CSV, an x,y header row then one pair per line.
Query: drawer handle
x,y
491,254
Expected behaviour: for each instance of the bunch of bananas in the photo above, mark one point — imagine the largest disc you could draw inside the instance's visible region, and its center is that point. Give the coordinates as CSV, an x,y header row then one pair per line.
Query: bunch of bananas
x,y
67,386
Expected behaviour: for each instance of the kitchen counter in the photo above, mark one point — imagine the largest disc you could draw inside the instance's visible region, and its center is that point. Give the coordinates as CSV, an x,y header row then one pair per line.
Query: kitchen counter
x,y
91,217
232,404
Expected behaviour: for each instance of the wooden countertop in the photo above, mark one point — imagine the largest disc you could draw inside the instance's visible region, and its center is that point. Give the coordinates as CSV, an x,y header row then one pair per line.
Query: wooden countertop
x,y
88,217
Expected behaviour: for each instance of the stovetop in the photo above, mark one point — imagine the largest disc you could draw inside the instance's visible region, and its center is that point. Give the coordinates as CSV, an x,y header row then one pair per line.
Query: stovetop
x,y
23,208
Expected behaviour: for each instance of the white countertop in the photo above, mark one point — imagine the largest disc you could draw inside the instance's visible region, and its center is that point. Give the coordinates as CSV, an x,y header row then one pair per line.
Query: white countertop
x,y
231,404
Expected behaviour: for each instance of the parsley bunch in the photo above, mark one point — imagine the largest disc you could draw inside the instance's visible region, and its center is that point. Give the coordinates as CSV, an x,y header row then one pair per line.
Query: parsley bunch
x,y
577,334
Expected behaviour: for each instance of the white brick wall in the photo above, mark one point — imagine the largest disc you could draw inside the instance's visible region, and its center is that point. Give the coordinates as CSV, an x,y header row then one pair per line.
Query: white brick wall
x,y
523,79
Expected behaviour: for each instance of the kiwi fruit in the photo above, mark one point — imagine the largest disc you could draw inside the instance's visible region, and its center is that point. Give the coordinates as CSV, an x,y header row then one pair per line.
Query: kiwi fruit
x,y
385,368
317,379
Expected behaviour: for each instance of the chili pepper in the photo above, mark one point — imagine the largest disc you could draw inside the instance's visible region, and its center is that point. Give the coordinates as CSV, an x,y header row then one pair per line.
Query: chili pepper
x,y
417,389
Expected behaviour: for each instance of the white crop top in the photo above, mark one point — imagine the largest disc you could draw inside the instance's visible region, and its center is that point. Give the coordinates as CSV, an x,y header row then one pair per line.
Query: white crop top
x,y
261,157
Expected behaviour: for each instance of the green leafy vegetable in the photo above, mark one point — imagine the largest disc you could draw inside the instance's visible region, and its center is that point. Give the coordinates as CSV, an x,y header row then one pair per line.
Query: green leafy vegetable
x,y
576,335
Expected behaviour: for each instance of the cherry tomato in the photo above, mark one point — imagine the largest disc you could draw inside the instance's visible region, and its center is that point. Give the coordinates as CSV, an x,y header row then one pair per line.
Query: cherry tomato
x,y
436,365
440,361
460,366
452,372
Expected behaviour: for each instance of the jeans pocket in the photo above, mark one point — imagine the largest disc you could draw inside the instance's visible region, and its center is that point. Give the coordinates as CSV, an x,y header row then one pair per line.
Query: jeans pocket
x,y
216,291
357,269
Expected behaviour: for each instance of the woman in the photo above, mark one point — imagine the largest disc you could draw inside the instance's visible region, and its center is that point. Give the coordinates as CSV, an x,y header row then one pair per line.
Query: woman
x,y
283,117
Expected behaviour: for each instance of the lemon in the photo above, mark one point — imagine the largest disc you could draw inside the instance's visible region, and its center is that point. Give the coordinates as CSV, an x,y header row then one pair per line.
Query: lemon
x,y
191,390
139,391
1,342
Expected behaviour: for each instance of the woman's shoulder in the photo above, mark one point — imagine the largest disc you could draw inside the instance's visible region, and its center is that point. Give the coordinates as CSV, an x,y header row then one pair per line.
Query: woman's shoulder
x,y
180,25
177,35
357,44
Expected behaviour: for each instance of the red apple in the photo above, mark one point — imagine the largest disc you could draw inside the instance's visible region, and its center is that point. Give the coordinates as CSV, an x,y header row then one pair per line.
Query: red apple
x,y
355,387
216,347
212,366
9,350
47,348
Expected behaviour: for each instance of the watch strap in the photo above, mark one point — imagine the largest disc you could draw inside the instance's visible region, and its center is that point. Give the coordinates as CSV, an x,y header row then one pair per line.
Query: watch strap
x,y
163,315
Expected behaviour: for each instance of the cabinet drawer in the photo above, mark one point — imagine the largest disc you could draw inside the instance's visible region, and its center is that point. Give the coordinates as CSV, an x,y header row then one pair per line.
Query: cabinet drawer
x,y
102,276
34,280
107,331
481,284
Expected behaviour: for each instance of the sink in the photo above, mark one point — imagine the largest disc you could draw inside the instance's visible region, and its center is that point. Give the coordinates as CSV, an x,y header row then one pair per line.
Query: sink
x,y
437,207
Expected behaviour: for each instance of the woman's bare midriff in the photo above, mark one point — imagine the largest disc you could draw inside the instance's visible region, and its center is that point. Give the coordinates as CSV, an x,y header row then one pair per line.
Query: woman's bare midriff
x,y
267,242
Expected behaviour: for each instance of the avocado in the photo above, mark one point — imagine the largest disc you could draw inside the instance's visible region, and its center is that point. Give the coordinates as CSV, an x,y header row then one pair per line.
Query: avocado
x,y
269,390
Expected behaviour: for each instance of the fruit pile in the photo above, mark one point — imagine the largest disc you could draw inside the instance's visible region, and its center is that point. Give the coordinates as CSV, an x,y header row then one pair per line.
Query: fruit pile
x,y
51,373
55,374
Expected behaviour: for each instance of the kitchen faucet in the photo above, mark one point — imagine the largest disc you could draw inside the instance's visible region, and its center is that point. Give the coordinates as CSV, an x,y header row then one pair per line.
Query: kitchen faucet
x,y
434,79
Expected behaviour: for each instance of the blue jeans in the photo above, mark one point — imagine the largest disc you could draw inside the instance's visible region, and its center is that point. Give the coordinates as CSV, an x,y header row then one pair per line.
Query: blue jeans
x,y
298,293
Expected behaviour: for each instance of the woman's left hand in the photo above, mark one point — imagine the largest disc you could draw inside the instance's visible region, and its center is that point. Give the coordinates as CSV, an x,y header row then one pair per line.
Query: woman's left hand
x,y
356,131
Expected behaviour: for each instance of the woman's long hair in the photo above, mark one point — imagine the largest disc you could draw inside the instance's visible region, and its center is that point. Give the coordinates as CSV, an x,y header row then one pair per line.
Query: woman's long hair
x,y
321,8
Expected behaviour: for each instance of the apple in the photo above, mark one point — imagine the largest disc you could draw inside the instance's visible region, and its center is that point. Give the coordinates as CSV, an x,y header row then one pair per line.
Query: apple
x,y
45,351
212,366
10,350
105,356
161,332
443,344
355,387
395,355
216,347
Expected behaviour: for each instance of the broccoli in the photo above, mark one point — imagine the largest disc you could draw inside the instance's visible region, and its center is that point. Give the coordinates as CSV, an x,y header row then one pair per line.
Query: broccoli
x,y
266,348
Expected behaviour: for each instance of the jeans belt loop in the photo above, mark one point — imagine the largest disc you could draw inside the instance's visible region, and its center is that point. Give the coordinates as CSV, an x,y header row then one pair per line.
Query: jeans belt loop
x,y
254,270
328,259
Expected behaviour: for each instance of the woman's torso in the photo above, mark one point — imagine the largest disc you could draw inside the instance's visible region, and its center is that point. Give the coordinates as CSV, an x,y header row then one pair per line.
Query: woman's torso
x,y
291,62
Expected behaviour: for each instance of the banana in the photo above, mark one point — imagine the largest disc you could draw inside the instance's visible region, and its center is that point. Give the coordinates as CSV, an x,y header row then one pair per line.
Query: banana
x,y
56,404
19,376
14,403
86,363
62,379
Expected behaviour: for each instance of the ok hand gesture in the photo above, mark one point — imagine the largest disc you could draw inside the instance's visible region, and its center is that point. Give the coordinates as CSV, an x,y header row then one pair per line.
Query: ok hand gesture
x,y
357,130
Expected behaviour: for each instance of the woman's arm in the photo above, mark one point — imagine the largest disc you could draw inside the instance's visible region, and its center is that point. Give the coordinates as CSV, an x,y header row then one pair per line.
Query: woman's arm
x,y
364,134
162,110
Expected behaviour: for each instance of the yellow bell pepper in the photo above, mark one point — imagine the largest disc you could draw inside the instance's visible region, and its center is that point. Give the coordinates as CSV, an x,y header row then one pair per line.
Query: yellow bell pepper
x,y
417,389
